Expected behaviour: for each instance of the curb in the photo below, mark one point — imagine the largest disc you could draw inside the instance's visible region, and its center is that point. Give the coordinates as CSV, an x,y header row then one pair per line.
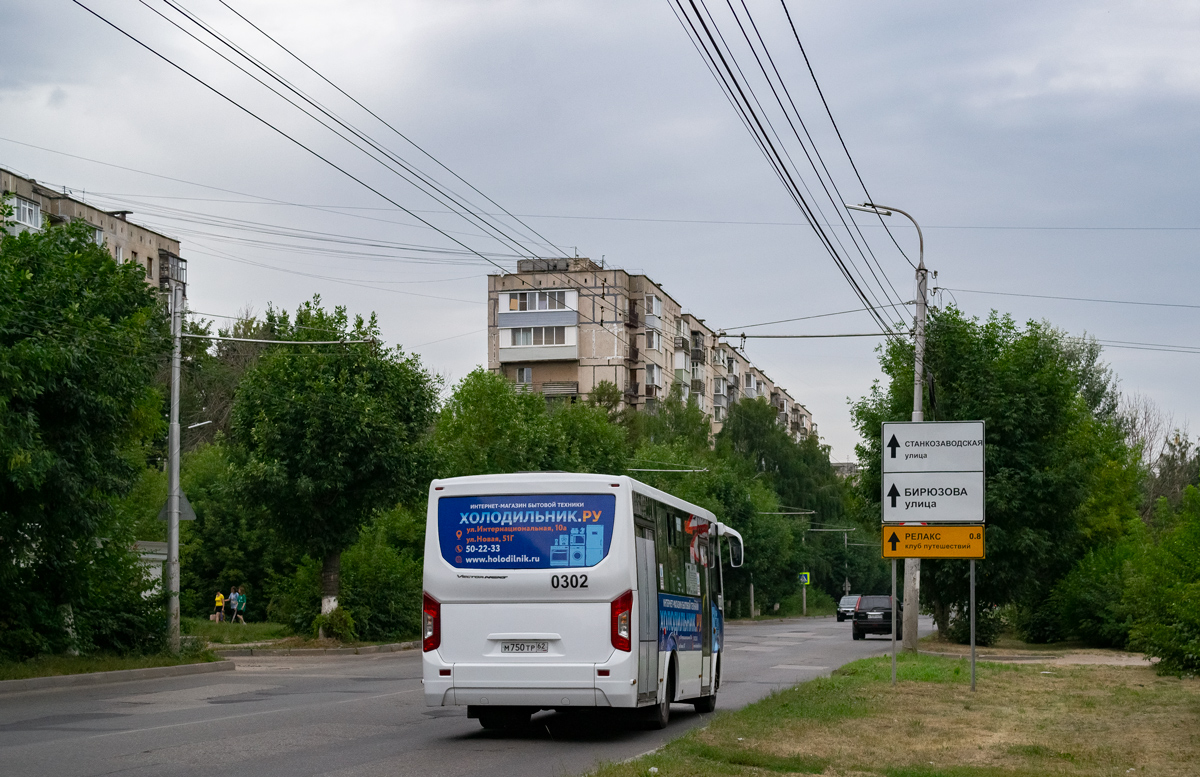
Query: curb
x,y
989,657
118,676
394,647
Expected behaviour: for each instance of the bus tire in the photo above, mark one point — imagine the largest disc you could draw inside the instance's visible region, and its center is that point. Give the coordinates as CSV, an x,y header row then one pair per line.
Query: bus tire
x,y
705,704
658,716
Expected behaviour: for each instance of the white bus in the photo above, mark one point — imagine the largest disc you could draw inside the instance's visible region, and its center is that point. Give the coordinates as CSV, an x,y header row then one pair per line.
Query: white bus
x,y
560,591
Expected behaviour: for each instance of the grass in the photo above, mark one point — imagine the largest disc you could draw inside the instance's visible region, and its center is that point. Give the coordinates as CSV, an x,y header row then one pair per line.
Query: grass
x,y
226,633
1077,720
51,666
1009,643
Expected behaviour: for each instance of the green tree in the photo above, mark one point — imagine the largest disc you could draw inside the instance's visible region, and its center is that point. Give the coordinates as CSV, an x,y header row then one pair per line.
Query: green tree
x,y
487,426
1060,478
329,434
802,476
80,340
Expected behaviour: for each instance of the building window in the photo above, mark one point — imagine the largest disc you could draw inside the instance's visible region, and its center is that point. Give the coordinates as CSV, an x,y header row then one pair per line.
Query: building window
x,y
98,236
525,375
28,213
539,335
538,300
653,305
653,340
653,375
119,254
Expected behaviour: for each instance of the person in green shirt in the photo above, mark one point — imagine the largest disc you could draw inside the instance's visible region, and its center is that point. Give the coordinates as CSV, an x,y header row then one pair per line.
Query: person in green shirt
x,y
241,604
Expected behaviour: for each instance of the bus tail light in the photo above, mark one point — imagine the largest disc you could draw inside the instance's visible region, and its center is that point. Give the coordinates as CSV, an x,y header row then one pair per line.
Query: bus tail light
x,y
622,621
431,624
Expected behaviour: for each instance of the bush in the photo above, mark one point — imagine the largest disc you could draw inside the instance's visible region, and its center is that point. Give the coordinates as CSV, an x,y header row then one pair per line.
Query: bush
x,y
336,625
819,603
989,624
380,581
1164,594
1090,600
381,577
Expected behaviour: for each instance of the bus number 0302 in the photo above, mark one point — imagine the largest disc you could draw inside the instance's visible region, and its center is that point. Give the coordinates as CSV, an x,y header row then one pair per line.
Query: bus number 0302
x,y
568,581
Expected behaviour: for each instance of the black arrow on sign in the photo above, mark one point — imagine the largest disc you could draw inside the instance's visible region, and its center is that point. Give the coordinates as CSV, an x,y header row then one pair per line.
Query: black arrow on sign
x,y
893,539
892,446
893,493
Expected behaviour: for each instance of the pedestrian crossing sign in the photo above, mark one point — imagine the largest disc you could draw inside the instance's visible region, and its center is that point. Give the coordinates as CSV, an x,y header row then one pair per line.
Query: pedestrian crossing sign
x,y
803,578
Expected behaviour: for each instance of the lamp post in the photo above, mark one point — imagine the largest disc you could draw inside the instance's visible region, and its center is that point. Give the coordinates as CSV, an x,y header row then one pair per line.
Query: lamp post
x,y
912,566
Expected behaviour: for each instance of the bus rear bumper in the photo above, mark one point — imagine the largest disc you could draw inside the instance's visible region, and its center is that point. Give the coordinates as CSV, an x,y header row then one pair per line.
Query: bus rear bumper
x,y
608,684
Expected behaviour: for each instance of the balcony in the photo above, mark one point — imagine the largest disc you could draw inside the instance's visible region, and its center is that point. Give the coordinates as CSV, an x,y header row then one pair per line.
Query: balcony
x,y
632,354
653,322
631,320
653,392
698,356
551,388
631,391
720,400
698,387
681,343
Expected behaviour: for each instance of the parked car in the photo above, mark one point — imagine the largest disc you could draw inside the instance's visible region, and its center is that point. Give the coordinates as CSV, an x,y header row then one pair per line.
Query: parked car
x,y
845,608
873,615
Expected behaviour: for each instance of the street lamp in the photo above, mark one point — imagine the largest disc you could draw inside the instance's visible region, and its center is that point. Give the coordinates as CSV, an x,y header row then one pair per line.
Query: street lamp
x,y
912,566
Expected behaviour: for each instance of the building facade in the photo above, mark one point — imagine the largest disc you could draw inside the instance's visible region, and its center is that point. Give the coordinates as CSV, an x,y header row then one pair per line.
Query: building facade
x,y
562,326
34,204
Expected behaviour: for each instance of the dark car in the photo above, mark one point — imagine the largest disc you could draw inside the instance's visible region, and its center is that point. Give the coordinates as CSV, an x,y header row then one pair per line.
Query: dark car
x,y
845,608
873,615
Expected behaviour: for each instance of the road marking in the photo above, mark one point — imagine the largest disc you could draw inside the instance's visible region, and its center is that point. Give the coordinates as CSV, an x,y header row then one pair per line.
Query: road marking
x,y
250,714
758,649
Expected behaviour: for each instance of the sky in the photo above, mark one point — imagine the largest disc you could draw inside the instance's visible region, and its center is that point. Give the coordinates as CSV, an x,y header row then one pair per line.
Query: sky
x,y
1045,148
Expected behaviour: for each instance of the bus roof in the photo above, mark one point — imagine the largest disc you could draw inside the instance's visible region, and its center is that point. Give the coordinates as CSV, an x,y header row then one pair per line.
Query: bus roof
x,y
519,482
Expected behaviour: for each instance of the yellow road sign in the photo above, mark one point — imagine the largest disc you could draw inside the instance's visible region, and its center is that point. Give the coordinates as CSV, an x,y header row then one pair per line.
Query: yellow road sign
x,y
933,542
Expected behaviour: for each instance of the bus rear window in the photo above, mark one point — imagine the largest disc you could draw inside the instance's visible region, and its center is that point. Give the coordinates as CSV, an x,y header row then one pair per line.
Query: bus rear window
x,y
542,531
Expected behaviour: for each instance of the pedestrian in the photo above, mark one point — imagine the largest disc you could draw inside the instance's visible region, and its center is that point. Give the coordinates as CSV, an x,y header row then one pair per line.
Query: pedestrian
x,y
241,604
232,599
219,612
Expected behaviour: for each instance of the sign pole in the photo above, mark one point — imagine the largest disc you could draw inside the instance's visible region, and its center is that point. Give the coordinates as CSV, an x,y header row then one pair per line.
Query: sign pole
x,y
972,624
894,620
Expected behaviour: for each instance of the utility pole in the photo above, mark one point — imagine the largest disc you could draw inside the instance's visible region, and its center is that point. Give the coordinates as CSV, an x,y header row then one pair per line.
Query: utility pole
x,y
173,490
912,566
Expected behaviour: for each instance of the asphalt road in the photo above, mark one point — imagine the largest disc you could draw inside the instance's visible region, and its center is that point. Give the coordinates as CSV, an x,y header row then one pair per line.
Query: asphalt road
x,y
364,716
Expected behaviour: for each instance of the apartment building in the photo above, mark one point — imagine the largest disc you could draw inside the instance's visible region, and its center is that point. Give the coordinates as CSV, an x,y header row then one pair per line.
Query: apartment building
x,y
35,204
562,326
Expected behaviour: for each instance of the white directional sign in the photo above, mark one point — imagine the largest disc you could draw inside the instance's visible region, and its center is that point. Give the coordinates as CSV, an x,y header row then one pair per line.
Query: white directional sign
x,y
933,472
933,446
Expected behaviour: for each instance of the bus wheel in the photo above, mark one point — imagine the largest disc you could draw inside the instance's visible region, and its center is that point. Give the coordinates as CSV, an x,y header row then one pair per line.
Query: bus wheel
x,y
706,703
658,716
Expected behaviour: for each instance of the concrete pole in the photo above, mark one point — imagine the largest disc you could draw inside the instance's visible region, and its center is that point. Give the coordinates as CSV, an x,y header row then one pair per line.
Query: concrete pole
x,y
173,490
912,566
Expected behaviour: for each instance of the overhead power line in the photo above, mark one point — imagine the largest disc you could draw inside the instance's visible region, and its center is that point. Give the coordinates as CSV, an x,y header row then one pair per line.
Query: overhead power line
x,y
800,318
309,149
721,60
1076,299
277,342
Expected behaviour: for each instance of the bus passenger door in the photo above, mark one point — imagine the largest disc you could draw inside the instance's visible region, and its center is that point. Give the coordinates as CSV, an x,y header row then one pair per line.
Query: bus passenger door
x,y
706,622
647,616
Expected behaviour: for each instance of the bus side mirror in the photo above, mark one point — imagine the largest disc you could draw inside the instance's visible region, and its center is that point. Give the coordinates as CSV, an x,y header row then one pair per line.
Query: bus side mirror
x,y
735,549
